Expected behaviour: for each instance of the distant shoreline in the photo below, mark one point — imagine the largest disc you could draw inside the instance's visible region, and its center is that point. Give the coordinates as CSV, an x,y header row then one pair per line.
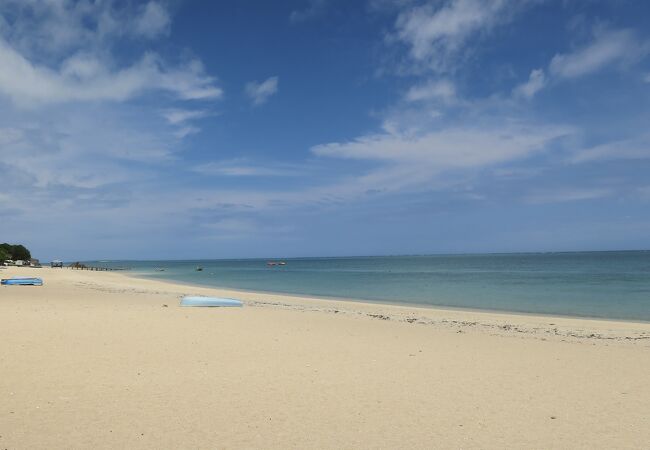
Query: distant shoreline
x,y
461,316
404,304
405,255
610,286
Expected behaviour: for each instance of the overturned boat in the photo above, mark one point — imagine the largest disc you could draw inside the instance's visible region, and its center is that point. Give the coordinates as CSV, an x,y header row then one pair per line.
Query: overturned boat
x,y
210,301
22,281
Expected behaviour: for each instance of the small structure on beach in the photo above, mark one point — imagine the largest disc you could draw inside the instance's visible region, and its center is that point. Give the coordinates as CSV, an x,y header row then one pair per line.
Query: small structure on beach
x,y
56,263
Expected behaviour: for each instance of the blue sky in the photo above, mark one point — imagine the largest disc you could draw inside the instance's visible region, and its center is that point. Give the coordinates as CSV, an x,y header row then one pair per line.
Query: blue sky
x,y
195,129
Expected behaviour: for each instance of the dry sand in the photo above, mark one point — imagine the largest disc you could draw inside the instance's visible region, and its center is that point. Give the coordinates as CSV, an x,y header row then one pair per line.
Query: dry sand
x,y
102,360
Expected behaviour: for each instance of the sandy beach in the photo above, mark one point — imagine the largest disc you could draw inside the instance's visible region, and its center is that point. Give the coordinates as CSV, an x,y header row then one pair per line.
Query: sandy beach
x,y
104,360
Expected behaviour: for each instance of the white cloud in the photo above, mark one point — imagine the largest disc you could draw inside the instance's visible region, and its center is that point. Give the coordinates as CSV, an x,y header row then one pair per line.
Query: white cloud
x,y
635,148
433,90
180,116
185,131
569,194
244,168
447,148
64,91
62,51
81,146
153,21
536,82
84,78
436,36
54,27
81,66
608,48
410,160
259,93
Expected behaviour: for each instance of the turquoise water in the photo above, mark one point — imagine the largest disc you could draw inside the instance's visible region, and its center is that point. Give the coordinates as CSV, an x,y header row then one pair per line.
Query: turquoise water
x,y
612,285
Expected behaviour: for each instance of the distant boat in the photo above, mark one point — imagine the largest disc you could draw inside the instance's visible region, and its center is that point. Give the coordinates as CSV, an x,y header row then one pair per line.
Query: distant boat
x,y
159,269
199,269
276,263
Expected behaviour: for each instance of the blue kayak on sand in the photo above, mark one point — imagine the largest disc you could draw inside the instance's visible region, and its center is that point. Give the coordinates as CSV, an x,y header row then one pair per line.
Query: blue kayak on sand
x,y
22,281
210,301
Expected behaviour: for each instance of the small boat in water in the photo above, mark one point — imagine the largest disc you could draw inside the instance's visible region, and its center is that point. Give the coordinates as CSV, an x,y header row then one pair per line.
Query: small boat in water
x,y
276,263
159,269
199,269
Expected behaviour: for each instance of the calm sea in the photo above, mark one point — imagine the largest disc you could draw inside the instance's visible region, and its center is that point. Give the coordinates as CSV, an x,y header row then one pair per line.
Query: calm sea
x,y
591,284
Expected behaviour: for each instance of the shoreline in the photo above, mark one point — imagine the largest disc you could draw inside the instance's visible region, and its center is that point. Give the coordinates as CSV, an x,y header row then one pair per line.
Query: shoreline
x,y
439,308
108,360
537,326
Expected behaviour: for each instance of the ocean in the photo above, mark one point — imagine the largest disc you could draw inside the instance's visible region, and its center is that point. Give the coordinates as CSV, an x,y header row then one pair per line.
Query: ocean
x,y
612,285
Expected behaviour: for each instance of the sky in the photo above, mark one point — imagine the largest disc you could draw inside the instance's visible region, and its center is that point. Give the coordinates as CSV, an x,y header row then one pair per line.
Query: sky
x,y
232,129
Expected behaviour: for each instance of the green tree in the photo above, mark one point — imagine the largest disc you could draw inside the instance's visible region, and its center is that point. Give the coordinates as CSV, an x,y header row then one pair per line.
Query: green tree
x,y
8,251
21,252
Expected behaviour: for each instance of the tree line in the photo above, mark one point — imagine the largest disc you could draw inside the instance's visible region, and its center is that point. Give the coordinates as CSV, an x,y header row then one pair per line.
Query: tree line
x,y
15,252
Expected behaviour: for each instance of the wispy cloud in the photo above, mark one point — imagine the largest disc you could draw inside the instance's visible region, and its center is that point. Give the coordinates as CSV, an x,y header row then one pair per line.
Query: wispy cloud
x,y
314,8
260,92
609,47
185,131
183,118
568,194
58,27
153,21
443,90
536,82
632,148
180,116
81,146
61,51
68,101
436,35
242,167
86,78
412,160
98,137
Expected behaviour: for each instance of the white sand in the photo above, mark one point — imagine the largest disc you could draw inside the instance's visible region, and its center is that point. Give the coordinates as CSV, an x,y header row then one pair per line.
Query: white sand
x,y
95,360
